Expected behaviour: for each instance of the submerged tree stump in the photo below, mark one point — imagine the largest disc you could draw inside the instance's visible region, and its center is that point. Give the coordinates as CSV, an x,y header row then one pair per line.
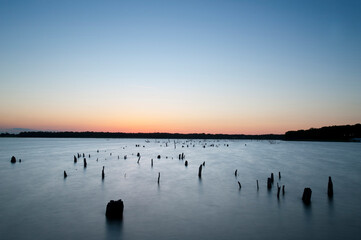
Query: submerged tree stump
x,y
279,175
75,159
257,185
85,163
278,191
272,178
103,174
330,188
158,177
115,209
200,171
306,197
65,175
186,163
269,183
13,159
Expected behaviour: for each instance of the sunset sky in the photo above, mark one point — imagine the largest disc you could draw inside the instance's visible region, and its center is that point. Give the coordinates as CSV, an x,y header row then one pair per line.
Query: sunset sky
x,y
251,67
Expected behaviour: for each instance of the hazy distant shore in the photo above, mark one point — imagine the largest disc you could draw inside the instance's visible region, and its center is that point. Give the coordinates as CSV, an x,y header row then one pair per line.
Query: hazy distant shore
x,y
345,133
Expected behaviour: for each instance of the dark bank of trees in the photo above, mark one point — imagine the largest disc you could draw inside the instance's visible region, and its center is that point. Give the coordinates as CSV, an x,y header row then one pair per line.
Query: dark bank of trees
x,y
140,135
332,133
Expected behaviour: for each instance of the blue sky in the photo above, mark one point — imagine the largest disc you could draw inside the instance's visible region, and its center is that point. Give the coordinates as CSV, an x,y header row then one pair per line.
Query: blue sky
x,y
180,66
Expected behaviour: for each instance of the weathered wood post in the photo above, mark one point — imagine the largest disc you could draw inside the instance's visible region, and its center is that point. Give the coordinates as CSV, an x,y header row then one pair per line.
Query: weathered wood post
x,y
306,197
65,175
283,189
151,162
272,178
75,159
186,163
269,183
13,159
257,186
204,163
278,191
158,177
200,171
279,175
239,184
103,174
85,164
330,188
235,173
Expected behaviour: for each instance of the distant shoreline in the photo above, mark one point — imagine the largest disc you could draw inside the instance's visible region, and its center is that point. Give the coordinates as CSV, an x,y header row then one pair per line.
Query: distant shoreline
x,y
345,133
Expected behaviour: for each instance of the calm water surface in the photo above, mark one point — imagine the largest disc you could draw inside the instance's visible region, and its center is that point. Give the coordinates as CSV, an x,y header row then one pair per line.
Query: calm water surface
x,y
36,202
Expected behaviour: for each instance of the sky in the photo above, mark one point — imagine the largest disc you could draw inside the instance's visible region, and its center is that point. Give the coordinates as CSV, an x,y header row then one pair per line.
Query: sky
x,y
234,67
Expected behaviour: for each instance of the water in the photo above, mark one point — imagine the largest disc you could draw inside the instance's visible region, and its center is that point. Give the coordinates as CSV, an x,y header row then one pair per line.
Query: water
x,y
37,202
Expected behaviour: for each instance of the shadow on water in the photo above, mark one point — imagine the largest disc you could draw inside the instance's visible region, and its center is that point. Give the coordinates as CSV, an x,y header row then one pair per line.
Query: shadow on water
x,y
307,209
114,228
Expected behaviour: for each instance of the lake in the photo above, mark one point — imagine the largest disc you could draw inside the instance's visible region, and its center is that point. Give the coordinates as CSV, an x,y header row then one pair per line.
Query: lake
x,y
36,202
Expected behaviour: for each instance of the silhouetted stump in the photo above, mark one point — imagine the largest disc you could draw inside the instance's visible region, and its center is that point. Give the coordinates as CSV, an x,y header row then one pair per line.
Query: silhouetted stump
x,y
269,183
278,191
138,154
151,162
19,160
200,171
283,189
239,185
306,197
186,163
158,177
257,185
330,188
13,159
65,175
235,173
279,175
158,156
115,209
85,164
272,178
75,159
103,174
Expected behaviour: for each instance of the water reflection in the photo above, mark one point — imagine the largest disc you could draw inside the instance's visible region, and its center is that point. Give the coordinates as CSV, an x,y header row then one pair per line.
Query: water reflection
x,y
114,228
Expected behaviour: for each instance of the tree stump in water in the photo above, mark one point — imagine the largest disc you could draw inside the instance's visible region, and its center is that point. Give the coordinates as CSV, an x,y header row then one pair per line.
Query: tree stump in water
x,y
200,171
65,175
186,163
85,164
75,159
272,178
269,183
330,188
306,197
13,159
115,209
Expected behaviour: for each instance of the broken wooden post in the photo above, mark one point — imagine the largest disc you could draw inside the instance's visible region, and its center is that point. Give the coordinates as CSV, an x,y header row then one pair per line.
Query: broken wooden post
x,y
330,187
278,191
279,175
306,197
65,175
269,183
115,209
235,173
186,163
200,171
158,177
239,185
75,160
103,175
283,189
13,159
257,186
272,178
85,164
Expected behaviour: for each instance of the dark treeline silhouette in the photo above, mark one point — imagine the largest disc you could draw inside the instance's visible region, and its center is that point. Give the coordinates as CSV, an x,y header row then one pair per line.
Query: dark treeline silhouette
x,y
332,133
140,135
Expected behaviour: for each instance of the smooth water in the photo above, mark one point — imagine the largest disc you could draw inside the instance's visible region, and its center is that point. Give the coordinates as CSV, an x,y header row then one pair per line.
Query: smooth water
x,y
36,202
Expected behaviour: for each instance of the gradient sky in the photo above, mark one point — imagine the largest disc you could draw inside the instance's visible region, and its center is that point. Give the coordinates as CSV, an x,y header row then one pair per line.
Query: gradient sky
x,y
247,67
